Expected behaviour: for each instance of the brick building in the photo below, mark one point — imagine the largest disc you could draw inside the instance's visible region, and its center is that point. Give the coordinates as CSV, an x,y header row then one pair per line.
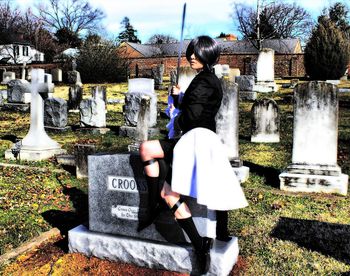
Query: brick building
x,y
289,59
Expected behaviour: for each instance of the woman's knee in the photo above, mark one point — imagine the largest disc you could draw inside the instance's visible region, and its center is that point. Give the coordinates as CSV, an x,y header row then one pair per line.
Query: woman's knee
x,y
144,150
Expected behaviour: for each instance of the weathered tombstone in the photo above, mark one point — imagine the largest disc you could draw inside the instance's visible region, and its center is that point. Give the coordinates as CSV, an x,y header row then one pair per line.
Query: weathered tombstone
x,y
37,145
157,75
75,95
227,126
7,76
141,133
137,89
73,77
55,113
99,92
56,75
314,165
92,113
265,72
265,121
18,91
246,87
81,153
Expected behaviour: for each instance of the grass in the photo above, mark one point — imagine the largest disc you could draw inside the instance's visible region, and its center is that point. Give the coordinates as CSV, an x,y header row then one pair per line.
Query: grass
x,y
280,233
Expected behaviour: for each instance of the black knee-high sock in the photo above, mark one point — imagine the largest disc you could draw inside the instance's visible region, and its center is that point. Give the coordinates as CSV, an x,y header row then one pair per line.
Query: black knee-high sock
x,y
222,226
189,227
152,184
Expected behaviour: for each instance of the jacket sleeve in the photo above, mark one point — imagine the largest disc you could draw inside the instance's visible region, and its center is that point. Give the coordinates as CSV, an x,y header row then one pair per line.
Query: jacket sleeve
x,y
191,111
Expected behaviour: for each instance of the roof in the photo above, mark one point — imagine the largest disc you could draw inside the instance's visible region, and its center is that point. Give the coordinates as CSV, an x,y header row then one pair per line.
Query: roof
x,y
286,46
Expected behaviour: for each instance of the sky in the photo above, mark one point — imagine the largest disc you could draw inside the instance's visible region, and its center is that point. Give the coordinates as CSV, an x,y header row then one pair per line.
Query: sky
x,y
203,17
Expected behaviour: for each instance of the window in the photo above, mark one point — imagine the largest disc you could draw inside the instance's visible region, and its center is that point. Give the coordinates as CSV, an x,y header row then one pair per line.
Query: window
x,y
16,50
25,51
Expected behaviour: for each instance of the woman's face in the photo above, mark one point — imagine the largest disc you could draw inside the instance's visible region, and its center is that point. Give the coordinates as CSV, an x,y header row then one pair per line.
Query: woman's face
x,y
195,63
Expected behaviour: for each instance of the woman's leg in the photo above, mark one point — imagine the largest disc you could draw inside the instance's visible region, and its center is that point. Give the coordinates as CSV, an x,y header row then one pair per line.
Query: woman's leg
x,y
183,216
150,151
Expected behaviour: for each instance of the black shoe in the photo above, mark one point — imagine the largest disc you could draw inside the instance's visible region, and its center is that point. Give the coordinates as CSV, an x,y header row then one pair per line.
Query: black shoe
x,y
225,238
203,255
152,216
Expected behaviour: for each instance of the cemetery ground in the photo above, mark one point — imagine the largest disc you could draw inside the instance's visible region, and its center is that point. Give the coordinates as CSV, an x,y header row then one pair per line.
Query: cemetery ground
x,y
280,233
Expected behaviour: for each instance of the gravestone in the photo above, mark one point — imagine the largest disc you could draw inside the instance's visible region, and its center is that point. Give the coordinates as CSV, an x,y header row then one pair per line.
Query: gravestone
x,y
157,75
92,113
56,75
75,95
265,121
36,145
18,91
141,132
246,87
73,78
265,72
186,75
314,165
117,202
137,89
227,120
55,113
99,92
81,153
7,76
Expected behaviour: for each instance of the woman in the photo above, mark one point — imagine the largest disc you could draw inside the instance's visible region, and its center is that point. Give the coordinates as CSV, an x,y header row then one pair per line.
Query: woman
x,y
198,108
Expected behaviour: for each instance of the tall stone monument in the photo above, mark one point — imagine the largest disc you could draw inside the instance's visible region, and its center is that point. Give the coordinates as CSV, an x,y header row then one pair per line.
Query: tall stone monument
x,y
37,145
314,165
265,72
227,129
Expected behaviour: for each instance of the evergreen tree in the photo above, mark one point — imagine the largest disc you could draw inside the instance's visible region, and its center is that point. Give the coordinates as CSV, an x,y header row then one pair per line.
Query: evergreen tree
x,y
129,33
338,13
327,52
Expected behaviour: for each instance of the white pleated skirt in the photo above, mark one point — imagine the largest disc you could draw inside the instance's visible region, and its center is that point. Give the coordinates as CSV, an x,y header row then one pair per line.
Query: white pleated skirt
x,y
201,169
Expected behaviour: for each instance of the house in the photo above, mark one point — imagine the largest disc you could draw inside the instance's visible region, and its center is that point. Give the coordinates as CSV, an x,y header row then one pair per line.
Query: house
x,y
289,58
19,53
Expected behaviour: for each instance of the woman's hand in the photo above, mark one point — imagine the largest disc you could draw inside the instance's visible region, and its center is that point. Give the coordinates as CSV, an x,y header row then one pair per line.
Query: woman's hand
x,y
175,90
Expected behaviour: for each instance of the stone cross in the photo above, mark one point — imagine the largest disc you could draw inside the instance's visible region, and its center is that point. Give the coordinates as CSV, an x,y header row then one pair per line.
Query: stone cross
x,y
37,145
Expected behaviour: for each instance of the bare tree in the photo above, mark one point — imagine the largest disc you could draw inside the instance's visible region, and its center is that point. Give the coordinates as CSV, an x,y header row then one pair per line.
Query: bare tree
x,y
277,20
161,38
73,15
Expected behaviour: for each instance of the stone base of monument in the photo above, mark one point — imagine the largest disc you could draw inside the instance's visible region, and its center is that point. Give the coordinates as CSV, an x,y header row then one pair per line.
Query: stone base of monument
x,y
57,129
94,130
130,131
22,107
248,95
34,155
265,138
156,255
296,182
265,87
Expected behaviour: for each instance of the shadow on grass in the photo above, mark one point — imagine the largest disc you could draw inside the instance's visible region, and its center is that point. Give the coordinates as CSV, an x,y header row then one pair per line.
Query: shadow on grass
x,y
329,239
9,137
66,220
271,174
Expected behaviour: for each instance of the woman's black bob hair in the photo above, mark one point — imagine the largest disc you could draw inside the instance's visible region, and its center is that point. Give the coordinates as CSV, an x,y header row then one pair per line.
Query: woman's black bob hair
x,y
205,49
